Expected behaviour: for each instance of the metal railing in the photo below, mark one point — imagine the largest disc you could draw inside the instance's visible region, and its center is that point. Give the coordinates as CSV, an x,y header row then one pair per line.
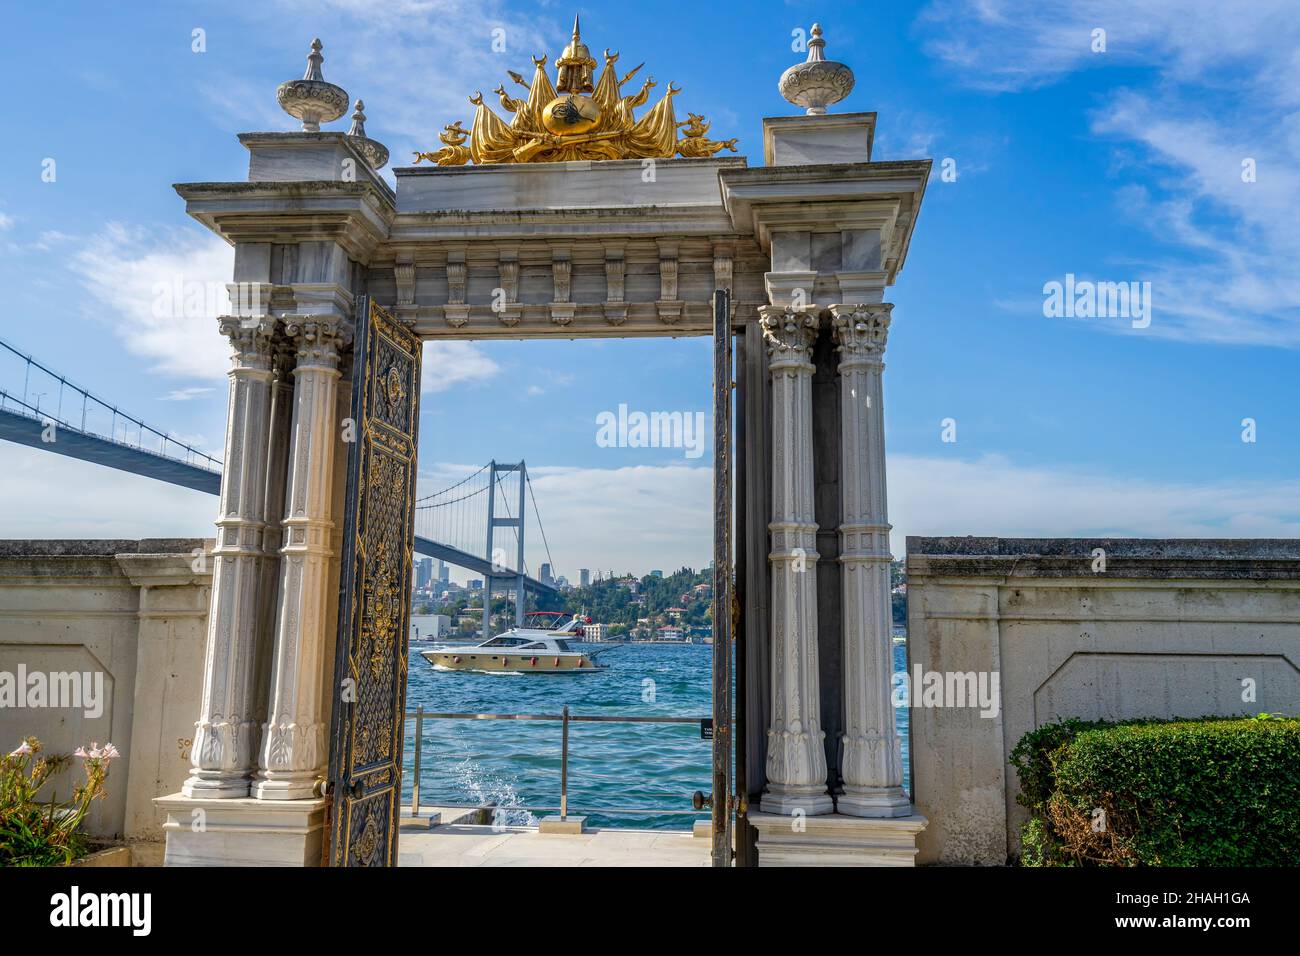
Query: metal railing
x,y
565,718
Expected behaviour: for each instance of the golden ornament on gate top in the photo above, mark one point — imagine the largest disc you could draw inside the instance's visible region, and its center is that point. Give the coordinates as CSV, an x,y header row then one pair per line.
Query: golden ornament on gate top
x,y
581,116
571,115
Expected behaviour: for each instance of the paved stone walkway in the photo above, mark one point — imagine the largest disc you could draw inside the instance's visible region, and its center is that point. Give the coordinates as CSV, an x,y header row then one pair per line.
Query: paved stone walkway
x,y
460,844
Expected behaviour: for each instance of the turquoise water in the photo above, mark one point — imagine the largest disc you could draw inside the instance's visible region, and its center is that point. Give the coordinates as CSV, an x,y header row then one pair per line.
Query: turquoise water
x,y
517,763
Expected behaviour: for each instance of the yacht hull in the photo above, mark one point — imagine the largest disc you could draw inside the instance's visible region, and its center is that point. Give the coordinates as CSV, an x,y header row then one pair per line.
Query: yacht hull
x,y
476,659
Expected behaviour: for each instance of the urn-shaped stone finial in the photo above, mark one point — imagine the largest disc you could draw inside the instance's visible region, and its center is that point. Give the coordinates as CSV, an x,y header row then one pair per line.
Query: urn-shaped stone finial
x,y
375,152
311,99
818,82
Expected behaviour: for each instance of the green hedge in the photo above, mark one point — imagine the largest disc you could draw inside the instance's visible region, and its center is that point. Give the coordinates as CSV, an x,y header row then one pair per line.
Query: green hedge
x,y
1206,792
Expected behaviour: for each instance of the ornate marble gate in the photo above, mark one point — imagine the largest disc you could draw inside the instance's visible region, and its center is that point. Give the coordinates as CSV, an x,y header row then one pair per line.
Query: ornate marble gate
x,y
574,219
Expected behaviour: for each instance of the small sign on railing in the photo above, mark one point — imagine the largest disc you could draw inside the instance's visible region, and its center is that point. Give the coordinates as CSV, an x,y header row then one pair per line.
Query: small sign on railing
x,y
706,728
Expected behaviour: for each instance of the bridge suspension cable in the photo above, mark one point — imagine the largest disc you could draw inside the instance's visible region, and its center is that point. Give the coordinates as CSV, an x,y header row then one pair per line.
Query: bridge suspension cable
x,y
538,515
463,481
96,418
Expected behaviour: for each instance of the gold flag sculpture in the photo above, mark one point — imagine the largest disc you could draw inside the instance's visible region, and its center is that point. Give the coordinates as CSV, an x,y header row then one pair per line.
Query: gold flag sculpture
x,y
574,119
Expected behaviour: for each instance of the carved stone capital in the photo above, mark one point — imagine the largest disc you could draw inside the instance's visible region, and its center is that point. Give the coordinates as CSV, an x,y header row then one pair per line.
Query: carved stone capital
x,y
251,338
860,330
318,339
790,333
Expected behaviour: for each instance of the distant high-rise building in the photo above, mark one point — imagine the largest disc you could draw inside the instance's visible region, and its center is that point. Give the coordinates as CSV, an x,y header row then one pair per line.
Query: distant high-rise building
x,y
584,577
444,572
546,574
656,574
423,572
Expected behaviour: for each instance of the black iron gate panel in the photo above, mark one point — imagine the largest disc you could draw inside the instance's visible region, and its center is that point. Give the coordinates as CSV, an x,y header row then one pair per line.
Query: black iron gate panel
x,y
375,592
723,603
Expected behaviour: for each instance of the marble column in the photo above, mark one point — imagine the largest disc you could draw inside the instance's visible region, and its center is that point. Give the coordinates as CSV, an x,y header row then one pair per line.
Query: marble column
x,y
284,357
871,757
225,733
294,741
796,760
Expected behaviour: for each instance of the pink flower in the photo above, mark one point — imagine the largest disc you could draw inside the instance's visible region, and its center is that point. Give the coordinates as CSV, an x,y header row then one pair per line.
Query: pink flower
x,y
23,750
106,753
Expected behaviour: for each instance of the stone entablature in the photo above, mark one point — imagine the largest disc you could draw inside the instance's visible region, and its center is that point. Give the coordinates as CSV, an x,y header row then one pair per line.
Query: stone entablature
x,y
644,244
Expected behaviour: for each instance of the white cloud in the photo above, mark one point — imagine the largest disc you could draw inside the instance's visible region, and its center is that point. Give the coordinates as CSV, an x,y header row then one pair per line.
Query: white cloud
x,y
66,498
186,394
164,290
6,221
1222,84
1019,44
48,239
448,364
414,62
993,496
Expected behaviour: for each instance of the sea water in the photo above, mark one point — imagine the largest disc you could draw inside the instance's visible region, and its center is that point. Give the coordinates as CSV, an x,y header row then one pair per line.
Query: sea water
x,y
516,763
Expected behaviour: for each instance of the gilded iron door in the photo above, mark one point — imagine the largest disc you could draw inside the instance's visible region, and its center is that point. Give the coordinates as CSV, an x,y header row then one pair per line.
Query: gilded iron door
x,y
723,603
375,592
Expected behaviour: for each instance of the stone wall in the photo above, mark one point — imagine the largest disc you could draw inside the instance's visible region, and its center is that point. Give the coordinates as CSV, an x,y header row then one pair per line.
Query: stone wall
x,y
1164,628
134,612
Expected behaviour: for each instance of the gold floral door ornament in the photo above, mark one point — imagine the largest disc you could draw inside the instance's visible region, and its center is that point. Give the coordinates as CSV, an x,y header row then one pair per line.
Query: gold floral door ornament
x,y
375,593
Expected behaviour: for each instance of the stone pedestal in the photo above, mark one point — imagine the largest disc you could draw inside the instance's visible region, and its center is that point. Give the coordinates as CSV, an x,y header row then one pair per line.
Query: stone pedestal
x,y
557,824
243,832
836,840
818,140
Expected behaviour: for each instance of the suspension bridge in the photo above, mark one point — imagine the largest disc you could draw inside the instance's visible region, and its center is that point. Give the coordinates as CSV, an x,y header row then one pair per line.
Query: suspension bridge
x,y
467,524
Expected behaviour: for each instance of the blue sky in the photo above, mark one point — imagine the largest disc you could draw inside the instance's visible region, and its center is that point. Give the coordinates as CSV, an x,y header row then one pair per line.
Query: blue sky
x,y
1121,165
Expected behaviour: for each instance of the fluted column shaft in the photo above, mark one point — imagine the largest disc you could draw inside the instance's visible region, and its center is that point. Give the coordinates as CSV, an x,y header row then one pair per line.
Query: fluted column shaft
x,y
871,756
294,741
796,759
277,457
225,733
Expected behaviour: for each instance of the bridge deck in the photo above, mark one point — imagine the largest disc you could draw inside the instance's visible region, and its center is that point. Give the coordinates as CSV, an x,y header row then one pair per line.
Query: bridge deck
x,y
24,429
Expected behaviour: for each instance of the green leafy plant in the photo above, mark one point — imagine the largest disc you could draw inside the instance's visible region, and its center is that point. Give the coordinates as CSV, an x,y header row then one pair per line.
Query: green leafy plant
x,y
36,833
1203,792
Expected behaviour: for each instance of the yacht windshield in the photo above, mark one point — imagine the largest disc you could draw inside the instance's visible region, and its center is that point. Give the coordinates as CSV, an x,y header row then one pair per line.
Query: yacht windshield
x,y
545,620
